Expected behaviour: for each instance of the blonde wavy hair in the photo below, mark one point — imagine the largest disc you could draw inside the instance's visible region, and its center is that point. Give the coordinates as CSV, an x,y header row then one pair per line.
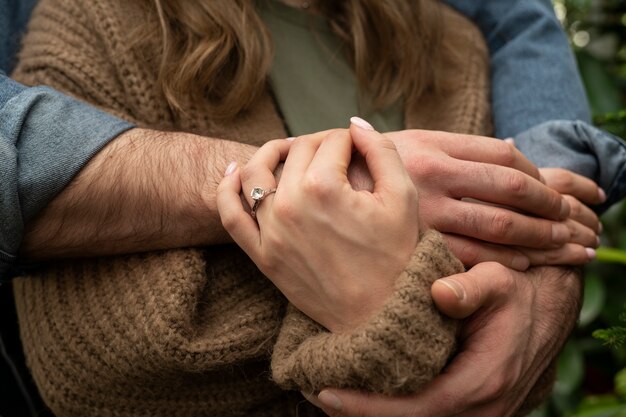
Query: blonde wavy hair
x,y
218,53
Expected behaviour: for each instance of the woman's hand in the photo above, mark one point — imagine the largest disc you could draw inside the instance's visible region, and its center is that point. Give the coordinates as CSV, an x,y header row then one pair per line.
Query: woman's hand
x,y
579,191
332,251
454,172
583,223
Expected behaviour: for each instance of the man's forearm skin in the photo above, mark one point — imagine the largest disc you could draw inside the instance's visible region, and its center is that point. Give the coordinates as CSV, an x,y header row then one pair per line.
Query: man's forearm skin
x,y
146,190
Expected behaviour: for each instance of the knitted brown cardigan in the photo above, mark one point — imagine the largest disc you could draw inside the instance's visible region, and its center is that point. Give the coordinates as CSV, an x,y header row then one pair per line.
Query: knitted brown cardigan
x,y
190,332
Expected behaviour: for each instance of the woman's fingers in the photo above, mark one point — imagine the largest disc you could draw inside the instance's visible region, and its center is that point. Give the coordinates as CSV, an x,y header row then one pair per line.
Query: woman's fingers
x,y
382,159
502,226
568,254
301,154
508,187
582,235
259,172
237,221
329,166
567,182
472,252
583,214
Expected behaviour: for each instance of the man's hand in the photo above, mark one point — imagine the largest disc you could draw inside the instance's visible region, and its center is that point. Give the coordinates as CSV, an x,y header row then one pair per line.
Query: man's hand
x,y
453,173
517,324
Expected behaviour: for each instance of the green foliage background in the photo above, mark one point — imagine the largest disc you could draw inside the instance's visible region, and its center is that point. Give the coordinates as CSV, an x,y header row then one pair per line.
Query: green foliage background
x,y
592,373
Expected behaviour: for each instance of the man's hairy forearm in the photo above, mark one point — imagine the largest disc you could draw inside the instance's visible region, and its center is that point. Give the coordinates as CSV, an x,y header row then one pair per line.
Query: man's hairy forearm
x,y
146,190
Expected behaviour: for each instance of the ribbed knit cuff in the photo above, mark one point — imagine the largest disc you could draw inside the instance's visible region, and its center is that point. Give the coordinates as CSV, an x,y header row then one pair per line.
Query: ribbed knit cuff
x,y
398,351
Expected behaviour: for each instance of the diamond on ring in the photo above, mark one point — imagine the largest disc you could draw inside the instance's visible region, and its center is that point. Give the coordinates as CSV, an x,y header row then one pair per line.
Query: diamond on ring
x,y
258,194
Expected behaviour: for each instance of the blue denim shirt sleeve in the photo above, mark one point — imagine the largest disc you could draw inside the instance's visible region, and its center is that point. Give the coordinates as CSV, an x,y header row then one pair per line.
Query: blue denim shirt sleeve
x,y
538,96
534,73
45,139
582,148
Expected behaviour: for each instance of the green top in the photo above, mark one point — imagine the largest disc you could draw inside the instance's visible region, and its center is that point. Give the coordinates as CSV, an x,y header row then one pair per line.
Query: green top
x,y
327,95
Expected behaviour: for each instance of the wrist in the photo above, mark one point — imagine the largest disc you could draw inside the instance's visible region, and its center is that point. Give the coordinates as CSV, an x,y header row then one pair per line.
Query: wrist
x,y
198,218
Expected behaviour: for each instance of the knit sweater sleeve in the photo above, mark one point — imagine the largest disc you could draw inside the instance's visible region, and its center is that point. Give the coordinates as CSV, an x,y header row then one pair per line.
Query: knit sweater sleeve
x,y
397,351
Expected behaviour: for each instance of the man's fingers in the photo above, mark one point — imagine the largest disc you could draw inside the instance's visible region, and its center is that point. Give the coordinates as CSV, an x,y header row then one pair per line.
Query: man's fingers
x,y
483,149
508,187
459,296
456,391
472,252
567,182
237,222
347,403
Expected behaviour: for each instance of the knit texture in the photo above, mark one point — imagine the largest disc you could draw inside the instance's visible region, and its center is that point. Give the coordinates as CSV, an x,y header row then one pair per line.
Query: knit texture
x,y
396,352
153,335
190,332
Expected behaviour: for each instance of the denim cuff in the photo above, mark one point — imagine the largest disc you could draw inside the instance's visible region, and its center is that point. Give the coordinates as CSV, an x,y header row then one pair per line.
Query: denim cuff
x,y
46,138
581,148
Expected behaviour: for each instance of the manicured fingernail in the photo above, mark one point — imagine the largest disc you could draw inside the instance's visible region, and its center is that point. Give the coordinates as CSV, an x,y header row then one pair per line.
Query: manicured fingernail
x,y
291,139
560,233
591,253
520,263
510,141
330,400
357,121
600,228
231,168
565,209
602,195
455,286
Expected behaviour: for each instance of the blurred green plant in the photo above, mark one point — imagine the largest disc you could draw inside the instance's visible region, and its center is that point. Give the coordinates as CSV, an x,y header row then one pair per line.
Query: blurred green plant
x,y
614,337
591,377
597,29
